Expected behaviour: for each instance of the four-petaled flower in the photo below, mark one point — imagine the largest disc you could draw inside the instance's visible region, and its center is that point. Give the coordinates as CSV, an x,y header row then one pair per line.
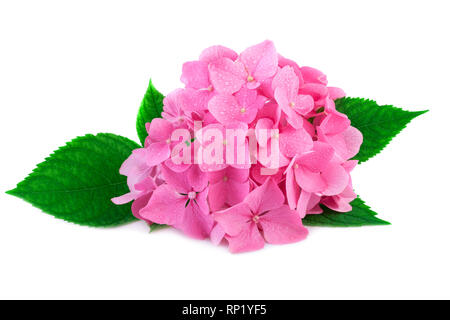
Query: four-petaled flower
x,y
261,217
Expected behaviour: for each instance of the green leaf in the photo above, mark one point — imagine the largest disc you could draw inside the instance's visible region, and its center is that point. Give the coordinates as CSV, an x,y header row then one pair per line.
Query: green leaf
x,y
361,215
76,183
378,124
151,107
154,227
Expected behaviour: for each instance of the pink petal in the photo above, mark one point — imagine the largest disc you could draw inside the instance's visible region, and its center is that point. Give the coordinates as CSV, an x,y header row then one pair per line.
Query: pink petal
x,y
146,185
136,162
282,225
140,203
309,127
227,110
318,158
348,193
157,153
130,196
136,169
313,204
217,176
302,204
250,99
265,88
270,110
341,202
182,167
172,110
250,239
261,60
282,62
316,91
334,123
353,140
160,130
195,74
227,76
330,106
337,204
295,142
303,104
227,193
311,75
262,130
238,175
217,196
166,206
346,144
293,118
292,189
217,234
201,201
197,179
257,171
336,93
269,159
336,179
214,53
309,181
259,201
288,80
349,165
179,181
237,192
192,100
195,222
234,219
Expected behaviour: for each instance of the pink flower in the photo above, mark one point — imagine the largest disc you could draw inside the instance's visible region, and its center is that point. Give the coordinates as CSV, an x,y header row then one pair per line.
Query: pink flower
x,y
158,143
336,131
317,171
227,187
181,203
314,172
286,91
137,170
259,174
241,107
253,66
270,149
214,154
261,218
341,201
195,76
295,142
142,180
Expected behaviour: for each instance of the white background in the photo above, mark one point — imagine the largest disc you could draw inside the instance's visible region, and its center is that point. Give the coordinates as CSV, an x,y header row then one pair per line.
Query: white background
x,y
73,67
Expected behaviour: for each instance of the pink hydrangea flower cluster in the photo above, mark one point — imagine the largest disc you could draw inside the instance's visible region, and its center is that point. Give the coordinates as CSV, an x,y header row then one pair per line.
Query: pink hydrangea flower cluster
x,y
254,202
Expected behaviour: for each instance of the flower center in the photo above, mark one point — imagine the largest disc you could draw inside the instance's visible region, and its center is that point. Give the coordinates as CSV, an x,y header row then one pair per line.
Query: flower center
x,y
255,219
168,141
225,178
243,110
192,195
250,78
292,104
296,166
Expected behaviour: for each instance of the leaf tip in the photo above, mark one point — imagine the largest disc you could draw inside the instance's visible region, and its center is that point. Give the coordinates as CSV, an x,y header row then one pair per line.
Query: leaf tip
x,y
384,222
418,113
12,192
